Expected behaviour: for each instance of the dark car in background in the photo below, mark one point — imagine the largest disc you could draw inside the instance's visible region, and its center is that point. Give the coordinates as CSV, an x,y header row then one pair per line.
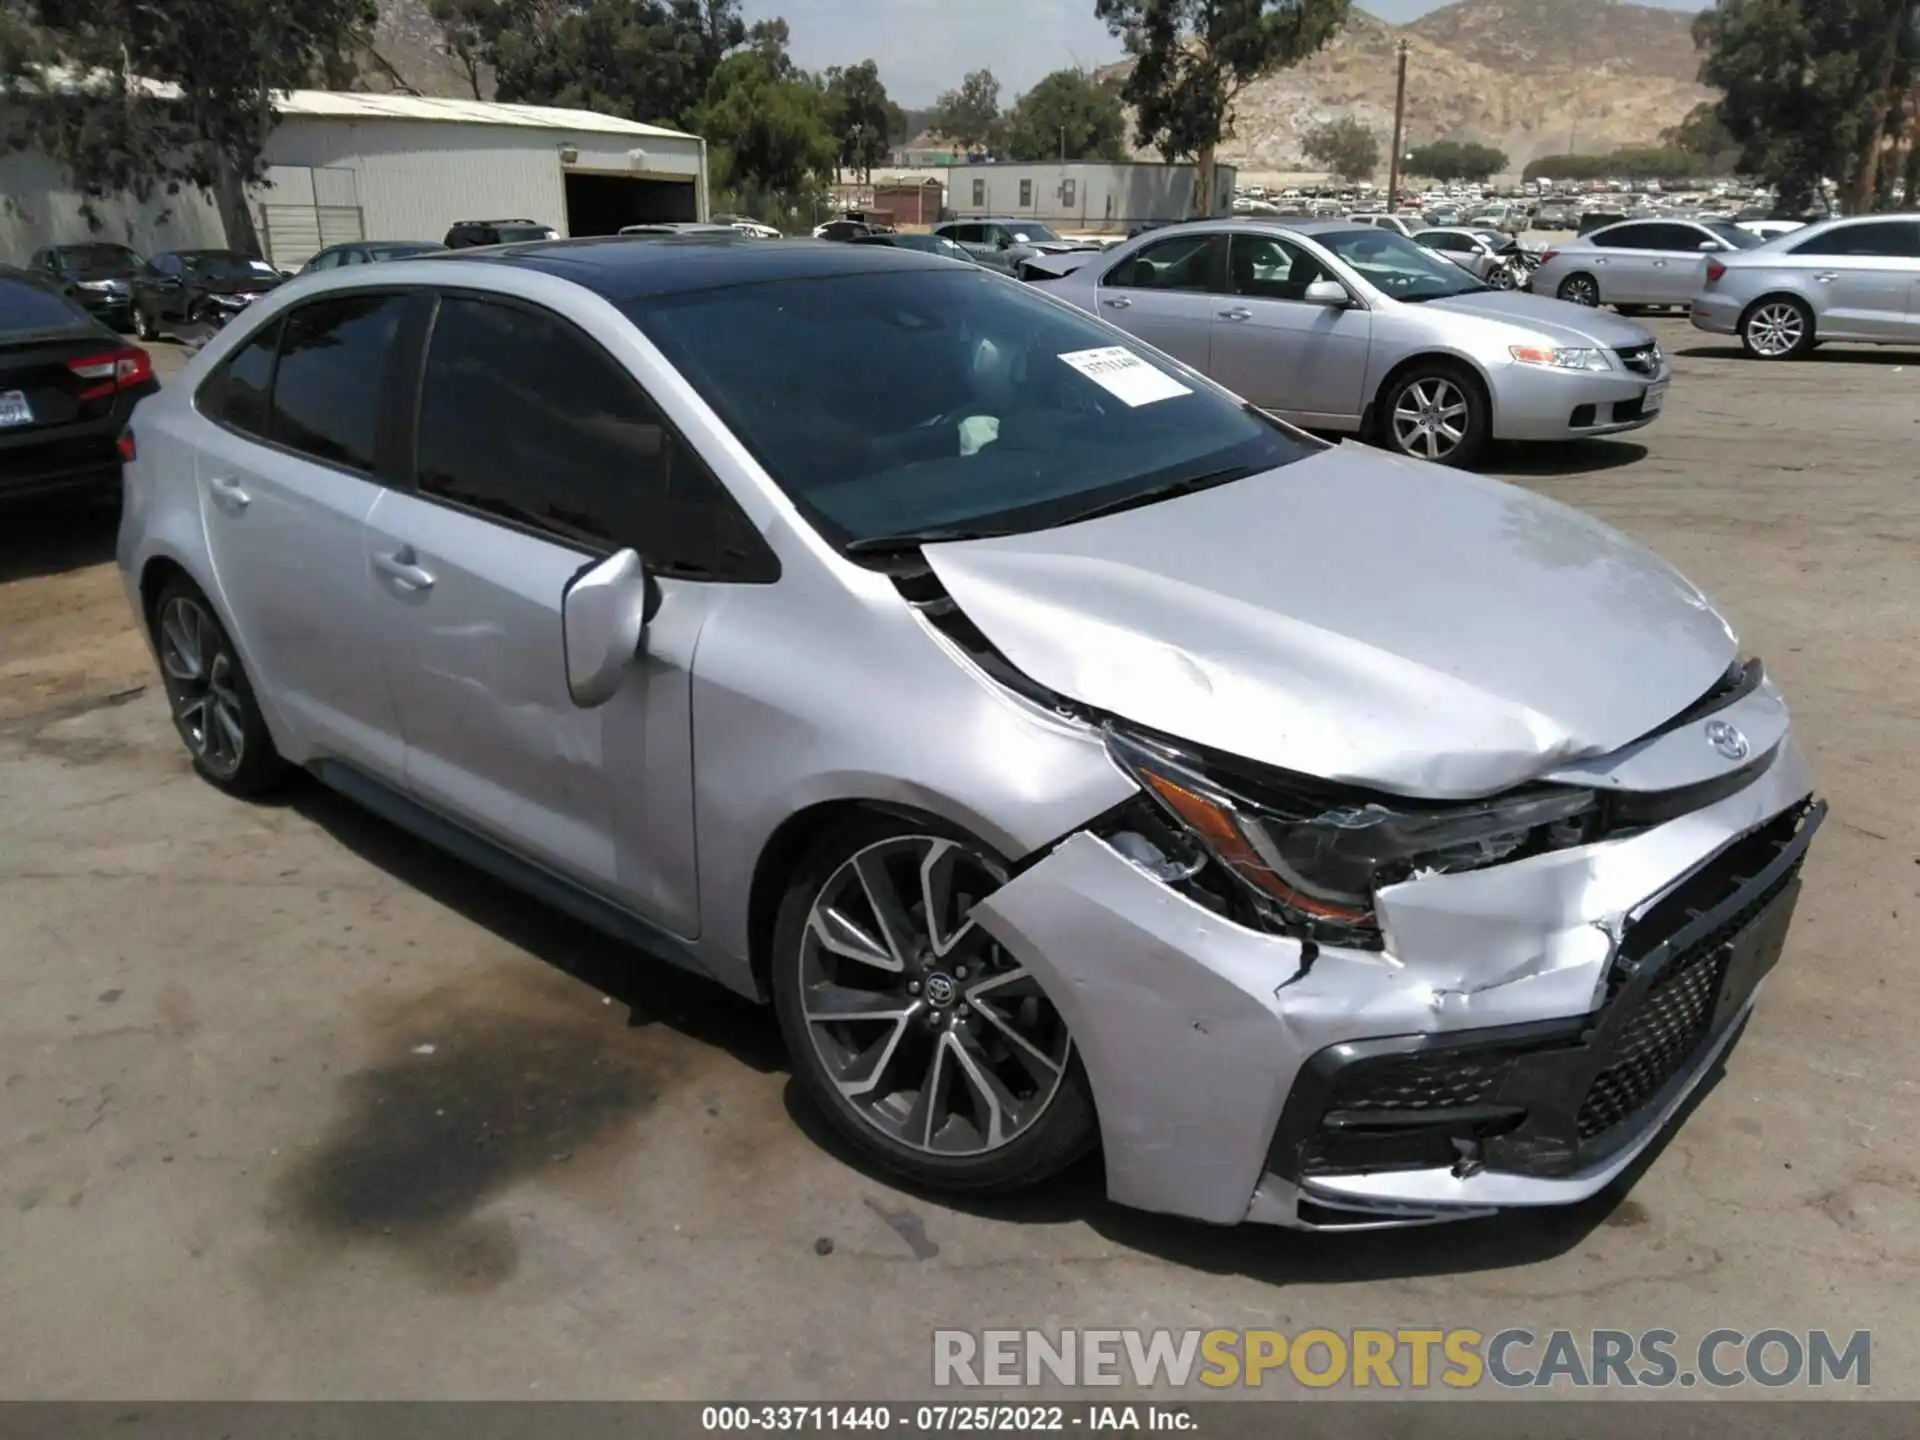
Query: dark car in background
x,y
67,386
369,252
99,275
1591,220
467,234
188,291
934,245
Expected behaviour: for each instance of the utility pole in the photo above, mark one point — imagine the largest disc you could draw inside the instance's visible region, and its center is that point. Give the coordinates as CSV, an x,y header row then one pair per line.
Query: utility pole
x,y
1399,120
1063,144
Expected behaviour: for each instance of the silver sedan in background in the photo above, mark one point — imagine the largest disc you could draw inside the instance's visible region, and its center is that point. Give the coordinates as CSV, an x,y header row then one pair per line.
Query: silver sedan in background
x,y
1354,329
1852,280
1636,262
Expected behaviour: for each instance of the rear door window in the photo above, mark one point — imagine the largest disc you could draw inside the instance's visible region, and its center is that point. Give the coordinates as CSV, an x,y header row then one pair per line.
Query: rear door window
x,y
1628,237
332,379
239,394
1181,262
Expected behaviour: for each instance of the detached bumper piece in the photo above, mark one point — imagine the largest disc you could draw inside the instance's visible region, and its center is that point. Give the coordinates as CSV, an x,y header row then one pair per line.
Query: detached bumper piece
x,y
1558,1100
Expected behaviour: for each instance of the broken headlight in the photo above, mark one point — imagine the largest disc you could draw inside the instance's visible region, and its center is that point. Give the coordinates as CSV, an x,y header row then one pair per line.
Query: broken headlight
x,y
1312,855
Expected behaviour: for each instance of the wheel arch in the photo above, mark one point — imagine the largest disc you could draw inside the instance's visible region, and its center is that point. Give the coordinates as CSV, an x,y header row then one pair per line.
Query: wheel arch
x,y
1454,360
791,840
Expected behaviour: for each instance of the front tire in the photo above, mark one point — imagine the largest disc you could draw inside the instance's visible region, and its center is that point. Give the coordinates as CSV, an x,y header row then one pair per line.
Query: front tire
x,y
927,1047
143,328
1435,411
1779,327
213,705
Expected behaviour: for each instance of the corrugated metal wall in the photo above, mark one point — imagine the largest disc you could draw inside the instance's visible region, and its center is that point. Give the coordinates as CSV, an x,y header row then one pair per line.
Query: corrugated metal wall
x,y
407,179
415,178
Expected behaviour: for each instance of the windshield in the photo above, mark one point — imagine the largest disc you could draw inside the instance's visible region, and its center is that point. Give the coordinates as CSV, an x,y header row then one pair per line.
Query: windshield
x,y
907,400
1733,235
402,251
1026,230
225,265
1398,267
98,259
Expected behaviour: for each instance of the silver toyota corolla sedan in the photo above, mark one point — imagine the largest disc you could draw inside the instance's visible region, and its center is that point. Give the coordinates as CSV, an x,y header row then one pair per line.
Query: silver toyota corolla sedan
x,y
1636,262
1072,754
1350,328
1851,280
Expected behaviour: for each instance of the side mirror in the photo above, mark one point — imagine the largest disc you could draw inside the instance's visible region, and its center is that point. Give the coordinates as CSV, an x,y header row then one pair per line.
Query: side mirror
x,y
1711,247
1005,242
1327,292
603,624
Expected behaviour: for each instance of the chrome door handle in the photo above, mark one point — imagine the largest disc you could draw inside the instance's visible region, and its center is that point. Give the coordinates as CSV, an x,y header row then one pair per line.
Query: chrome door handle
x,y
1828,275
1659,264
1118,302
228,494
1239,312
402,567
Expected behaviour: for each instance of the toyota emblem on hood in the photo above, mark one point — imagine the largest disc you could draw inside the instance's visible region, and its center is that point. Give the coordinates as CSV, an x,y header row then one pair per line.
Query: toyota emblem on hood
x,y
1727,739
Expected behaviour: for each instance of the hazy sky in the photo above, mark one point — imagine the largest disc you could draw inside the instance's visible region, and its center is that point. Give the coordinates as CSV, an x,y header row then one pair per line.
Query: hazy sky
x,y
925,46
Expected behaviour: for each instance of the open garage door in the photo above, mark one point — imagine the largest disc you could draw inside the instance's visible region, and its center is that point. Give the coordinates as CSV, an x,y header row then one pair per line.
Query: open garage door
x,y
601,204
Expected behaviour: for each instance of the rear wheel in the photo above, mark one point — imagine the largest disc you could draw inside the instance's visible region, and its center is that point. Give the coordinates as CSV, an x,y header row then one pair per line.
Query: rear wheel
x,y
1434,412
1580,290
213,705
1779,327
927,1046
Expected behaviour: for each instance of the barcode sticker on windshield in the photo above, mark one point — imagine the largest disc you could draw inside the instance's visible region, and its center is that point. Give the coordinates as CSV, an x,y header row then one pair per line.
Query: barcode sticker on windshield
x,y
1125,376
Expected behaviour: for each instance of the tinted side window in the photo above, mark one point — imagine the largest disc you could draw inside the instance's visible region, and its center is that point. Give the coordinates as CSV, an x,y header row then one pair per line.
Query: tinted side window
x,y
1894,238
239,393
30,305
1676,237
1628,237
1268,268
1184,262
523,417
332,377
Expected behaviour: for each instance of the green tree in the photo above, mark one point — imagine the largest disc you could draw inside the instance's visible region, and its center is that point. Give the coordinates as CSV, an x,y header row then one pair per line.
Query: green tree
x,y
766,126
1067,115
1345,146
860,115
1450,160
1635,162
89,80
1705,134
1192,58
1808,86
642,59
969,116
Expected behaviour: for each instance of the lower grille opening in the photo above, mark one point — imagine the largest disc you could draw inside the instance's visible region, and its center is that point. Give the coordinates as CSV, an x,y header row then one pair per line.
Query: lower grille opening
x,y
1582,416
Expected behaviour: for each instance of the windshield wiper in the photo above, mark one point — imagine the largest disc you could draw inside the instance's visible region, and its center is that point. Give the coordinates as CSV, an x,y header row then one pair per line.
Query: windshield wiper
x,y
1184,486
908,540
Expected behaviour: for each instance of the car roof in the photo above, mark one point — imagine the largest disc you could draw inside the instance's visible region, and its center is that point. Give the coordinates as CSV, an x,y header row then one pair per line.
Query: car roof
x,y
629,267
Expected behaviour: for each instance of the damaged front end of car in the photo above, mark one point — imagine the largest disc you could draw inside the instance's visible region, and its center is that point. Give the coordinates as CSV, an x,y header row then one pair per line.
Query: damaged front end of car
x,y
1328,1006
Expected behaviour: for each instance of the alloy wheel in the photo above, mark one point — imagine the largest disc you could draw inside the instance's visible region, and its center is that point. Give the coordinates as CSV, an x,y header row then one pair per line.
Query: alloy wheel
x,y
1430,418
928,1029
1776,329
1581,291
201,676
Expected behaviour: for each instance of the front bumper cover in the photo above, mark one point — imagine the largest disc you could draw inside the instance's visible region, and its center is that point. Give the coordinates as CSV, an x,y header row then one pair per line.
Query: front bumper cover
x,y
1195,1031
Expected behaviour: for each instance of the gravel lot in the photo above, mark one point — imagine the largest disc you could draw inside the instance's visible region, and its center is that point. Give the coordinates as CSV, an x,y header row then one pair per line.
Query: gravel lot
x,y
227,1171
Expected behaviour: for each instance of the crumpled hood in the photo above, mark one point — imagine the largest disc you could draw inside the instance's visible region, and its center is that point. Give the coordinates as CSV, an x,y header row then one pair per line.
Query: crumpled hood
x,y
1542,312
1355,617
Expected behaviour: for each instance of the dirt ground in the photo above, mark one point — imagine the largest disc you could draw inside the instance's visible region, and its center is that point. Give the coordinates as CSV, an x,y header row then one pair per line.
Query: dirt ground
x,y
231,1167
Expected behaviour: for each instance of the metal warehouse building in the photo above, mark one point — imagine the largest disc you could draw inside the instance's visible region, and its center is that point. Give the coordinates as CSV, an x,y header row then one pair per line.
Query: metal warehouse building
x,y
393,167
1083,197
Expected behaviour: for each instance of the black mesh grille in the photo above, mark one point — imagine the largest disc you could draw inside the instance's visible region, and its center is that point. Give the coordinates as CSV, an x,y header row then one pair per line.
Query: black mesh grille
x,y
1656,1040
1421,1082
1668,1024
